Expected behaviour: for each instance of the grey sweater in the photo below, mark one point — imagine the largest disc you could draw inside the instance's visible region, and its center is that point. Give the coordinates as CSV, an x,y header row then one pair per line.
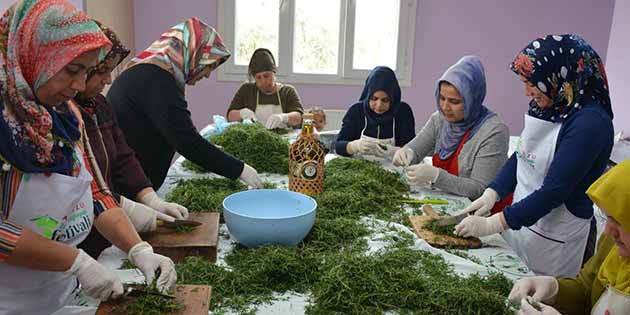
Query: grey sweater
x,y
479,161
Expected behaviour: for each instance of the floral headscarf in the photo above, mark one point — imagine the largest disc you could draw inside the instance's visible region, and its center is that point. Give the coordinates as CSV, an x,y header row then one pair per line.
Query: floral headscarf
x,y
567,70
185,50
118,50
38,39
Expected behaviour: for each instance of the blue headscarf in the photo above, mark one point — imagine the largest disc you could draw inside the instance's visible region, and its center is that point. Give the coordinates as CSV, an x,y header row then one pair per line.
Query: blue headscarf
x,y
381,79
468,77
567,70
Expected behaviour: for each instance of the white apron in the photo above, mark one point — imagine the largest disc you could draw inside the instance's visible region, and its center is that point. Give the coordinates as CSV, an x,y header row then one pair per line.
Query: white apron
x,y
264,111
554,245
612,302
388,141
60,208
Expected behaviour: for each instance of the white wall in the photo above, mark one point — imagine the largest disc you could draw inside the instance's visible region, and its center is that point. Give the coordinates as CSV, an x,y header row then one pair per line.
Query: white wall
x,y
618,65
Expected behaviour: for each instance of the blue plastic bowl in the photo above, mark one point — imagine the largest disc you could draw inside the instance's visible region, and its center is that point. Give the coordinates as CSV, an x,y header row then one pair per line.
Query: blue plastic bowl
x,y
269,216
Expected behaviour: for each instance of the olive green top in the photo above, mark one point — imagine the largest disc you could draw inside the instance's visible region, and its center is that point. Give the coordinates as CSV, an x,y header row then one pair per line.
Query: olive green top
x,y
245,97
577,296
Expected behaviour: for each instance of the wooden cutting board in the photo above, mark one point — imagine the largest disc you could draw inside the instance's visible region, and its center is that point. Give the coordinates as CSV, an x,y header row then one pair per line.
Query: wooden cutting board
x,y
438,240
195,300
202,241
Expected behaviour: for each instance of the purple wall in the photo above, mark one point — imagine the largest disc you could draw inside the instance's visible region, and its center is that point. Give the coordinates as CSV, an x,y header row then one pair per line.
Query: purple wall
x,y
495,30
618,67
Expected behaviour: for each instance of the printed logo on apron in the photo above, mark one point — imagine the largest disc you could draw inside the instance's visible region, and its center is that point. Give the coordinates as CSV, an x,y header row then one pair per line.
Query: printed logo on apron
x,y
555,244
62,211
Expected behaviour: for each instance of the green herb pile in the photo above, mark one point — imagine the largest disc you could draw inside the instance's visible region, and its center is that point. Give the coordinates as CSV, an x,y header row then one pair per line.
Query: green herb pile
x,y
204,194
253,143
265,150
447,230
187,164
330,264
149,304
407,282
281,131
355,188
346,282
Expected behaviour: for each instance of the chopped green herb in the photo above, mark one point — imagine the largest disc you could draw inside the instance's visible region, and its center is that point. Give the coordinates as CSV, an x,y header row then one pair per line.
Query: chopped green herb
x,y
127,265
331,264
204,194
281,131
182,229
149,304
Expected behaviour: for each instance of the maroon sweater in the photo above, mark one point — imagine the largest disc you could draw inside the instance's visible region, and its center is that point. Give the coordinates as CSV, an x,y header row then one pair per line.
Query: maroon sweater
x,y
115,158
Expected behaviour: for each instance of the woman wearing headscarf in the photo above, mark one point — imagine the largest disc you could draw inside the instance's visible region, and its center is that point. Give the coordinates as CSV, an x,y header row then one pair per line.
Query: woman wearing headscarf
x,y
116,161
603,285
267,101
468,142
564,147
149,101
52,195
379,123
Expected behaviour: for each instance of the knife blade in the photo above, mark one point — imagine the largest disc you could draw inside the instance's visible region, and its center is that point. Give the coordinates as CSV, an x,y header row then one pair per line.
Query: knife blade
x,y
453,219
178,223
425,201
137,290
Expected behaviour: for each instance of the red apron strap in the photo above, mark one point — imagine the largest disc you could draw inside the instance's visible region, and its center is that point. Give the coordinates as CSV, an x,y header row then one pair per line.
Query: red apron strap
x,y
450,164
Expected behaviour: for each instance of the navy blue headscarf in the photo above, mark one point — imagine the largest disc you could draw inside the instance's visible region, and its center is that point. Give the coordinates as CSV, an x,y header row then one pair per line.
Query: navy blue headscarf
x,y
381,79
568,71
468,77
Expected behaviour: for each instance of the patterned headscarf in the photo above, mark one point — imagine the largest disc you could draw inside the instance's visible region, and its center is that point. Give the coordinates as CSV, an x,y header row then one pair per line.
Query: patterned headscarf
x,y
568,71
37,40
185,50
468,77
118,50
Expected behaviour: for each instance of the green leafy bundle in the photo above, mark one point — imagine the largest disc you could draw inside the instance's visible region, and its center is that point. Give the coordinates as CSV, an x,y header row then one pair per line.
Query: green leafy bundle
x,y
262,149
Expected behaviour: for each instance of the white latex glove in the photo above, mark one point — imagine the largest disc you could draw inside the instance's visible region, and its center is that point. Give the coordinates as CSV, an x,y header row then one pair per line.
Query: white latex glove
x,y
385,150
422,174
96,280
247,113
277,121
403,157
528,309
142,217
541,288
474,226
250,177
143,257
483,204
362,146
172,209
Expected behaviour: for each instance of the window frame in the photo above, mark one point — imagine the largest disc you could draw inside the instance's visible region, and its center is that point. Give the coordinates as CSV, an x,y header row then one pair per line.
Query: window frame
x,y
345,74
